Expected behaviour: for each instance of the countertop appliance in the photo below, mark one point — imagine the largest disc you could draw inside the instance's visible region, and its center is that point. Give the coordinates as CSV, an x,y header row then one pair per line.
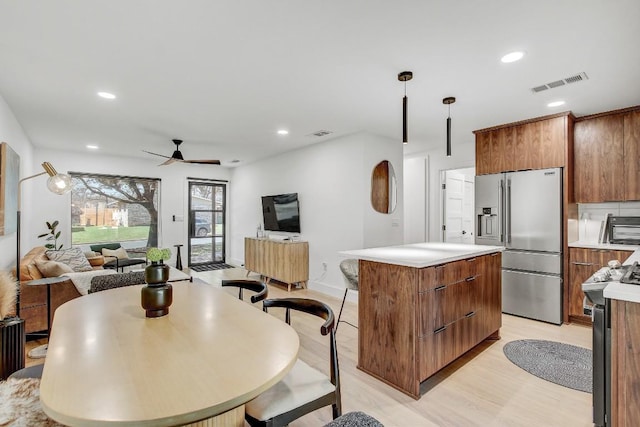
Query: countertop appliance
x,y
523,212
624,230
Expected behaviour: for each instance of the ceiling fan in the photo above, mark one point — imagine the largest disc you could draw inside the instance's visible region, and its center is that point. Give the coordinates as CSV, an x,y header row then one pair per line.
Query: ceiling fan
x,y
177,156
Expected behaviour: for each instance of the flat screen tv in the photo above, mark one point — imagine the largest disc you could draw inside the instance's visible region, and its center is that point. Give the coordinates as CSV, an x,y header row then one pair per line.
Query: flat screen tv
x,y
281,212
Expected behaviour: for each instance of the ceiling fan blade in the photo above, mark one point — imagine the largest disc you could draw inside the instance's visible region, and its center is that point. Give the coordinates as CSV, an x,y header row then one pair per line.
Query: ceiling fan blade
x,y
203,162
156,154
169,161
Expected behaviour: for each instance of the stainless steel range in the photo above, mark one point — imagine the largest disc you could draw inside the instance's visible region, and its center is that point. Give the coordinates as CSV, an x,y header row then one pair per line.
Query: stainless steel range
x,y
632,275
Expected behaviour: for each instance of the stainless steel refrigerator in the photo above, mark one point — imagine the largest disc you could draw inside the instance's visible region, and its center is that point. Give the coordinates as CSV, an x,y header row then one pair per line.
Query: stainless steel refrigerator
x,y
522,211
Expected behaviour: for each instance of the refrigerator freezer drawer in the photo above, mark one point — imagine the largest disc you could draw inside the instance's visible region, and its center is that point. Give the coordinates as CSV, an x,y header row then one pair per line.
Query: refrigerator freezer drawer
x,y
536,296
532,261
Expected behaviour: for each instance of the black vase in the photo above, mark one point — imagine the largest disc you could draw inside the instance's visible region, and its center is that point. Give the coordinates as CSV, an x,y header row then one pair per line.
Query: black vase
x,y
157,296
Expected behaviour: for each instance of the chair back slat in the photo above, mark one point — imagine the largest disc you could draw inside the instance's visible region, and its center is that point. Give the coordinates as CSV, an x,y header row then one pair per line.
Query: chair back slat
x,y
260,289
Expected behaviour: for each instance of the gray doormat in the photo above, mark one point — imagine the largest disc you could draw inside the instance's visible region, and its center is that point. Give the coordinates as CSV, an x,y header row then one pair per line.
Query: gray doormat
x,y
562,364
212,266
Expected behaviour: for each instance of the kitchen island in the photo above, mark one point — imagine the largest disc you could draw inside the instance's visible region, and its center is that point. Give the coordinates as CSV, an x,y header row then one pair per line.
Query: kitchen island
x,y
421,306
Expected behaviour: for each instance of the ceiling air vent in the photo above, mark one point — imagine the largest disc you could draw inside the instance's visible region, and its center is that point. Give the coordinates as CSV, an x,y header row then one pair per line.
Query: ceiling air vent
x,y
573,79
320,133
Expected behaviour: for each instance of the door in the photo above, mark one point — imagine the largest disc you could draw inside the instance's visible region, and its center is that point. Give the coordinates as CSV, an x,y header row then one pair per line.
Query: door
x,y
458,195
533,210
207,212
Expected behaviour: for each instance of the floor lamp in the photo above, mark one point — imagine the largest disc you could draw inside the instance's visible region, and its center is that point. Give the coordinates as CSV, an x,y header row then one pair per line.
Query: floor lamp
x,y
58,183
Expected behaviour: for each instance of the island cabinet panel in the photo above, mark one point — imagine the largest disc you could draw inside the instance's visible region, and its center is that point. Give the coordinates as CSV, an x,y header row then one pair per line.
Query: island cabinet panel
x,y
625,363
387,318
415,321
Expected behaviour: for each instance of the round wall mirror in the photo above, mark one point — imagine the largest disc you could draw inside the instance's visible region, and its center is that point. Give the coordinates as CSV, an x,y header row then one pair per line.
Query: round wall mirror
x,y
383,188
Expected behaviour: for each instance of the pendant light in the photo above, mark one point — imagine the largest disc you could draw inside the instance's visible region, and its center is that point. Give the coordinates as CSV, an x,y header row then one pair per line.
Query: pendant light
x,y
405,76
448,101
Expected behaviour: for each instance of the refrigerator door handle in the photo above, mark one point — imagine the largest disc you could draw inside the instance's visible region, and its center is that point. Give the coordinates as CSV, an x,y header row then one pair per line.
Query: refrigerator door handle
x,y
507,215
500,202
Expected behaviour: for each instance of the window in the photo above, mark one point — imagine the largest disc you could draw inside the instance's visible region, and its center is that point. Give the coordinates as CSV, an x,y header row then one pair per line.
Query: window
x,y
118,209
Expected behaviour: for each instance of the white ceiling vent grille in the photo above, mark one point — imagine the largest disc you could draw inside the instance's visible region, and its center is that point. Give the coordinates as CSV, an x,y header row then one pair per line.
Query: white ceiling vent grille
x,y
573,79
320,133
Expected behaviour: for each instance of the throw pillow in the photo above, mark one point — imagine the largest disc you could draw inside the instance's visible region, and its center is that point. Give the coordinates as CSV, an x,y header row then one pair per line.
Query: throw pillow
x,y
119,253
53,268
73,257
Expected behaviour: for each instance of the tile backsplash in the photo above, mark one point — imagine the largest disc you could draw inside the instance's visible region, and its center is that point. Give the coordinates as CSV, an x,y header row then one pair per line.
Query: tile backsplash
x,y
591,216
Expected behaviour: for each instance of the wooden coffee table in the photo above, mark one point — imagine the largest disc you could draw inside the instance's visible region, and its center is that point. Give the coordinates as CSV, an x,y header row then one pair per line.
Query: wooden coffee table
x,y
108,364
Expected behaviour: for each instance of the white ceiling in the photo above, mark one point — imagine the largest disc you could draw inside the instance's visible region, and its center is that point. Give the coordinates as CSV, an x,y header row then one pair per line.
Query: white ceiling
x,y
225,75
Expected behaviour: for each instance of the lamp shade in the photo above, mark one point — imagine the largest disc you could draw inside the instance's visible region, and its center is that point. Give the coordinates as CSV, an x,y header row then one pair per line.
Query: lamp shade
x,y
59,183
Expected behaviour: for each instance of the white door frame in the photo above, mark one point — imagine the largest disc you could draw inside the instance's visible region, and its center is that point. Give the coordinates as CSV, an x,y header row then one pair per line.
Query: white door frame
x,y
443,195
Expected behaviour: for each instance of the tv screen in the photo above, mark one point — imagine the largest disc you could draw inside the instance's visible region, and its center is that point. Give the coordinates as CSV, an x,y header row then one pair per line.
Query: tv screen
x,y
281,212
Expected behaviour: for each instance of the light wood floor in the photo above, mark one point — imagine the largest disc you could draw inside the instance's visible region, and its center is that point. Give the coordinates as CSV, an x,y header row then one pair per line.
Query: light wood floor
x,y
483,388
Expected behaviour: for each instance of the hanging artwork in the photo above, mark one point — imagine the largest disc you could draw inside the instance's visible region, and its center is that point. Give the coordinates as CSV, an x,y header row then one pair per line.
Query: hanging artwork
x,y
9,177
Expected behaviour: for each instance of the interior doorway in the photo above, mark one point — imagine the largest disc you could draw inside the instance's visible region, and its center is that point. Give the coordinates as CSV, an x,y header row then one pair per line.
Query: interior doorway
x,y
458,200
207,213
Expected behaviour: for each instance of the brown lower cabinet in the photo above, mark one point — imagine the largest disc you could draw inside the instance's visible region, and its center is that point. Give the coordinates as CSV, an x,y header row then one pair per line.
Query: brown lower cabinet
x,y
415,321
625,363
583,262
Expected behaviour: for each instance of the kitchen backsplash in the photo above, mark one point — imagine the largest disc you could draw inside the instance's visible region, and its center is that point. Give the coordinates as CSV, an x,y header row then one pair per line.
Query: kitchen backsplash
x,y
591,216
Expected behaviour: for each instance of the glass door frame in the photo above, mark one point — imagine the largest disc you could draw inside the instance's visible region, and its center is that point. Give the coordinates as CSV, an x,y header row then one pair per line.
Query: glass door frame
x,y
191,215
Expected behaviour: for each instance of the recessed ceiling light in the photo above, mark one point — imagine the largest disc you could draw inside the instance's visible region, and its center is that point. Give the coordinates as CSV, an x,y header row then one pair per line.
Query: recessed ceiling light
x,y
555,104
512,57
106,95
283,132
92,147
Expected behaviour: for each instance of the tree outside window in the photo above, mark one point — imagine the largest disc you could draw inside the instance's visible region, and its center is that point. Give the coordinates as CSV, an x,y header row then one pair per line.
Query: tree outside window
x,y
108,208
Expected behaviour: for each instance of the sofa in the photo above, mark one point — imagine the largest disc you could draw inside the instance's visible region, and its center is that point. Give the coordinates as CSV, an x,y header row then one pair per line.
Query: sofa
x,y
33,299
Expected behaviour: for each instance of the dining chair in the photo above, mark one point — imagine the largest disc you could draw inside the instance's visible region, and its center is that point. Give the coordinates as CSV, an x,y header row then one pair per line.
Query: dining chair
x,y
349,268
304,389
260,289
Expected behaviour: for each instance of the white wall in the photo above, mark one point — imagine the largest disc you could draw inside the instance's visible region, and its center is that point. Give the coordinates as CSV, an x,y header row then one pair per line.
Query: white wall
x,y
463,156
416,190
12,133
46,206
333,182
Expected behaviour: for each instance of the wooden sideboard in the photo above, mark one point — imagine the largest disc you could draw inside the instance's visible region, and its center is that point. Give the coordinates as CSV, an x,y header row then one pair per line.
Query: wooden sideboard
x,y
415,321
285,261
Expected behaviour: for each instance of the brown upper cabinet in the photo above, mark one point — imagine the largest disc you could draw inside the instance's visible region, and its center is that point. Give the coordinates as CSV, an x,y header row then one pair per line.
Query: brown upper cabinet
x,y
535,144
606,157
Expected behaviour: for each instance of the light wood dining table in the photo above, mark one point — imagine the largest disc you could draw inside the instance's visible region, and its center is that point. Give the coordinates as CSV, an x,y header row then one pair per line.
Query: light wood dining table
x,y
109,365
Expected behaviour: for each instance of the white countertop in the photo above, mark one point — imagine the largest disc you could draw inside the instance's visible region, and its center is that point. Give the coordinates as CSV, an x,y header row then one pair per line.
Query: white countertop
x,y
623,291
595,245
420,255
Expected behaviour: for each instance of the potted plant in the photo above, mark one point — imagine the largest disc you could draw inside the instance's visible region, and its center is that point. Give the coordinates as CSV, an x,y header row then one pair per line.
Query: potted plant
x,y
53,234
157,296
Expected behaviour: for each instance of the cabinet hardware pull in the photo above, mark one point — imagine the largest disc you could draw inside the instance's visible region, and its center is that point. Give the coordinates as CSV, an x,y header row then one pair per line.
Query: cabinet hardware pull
x,y
439,288
440,329
470,279
581,263
471,260
470,314
496,254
